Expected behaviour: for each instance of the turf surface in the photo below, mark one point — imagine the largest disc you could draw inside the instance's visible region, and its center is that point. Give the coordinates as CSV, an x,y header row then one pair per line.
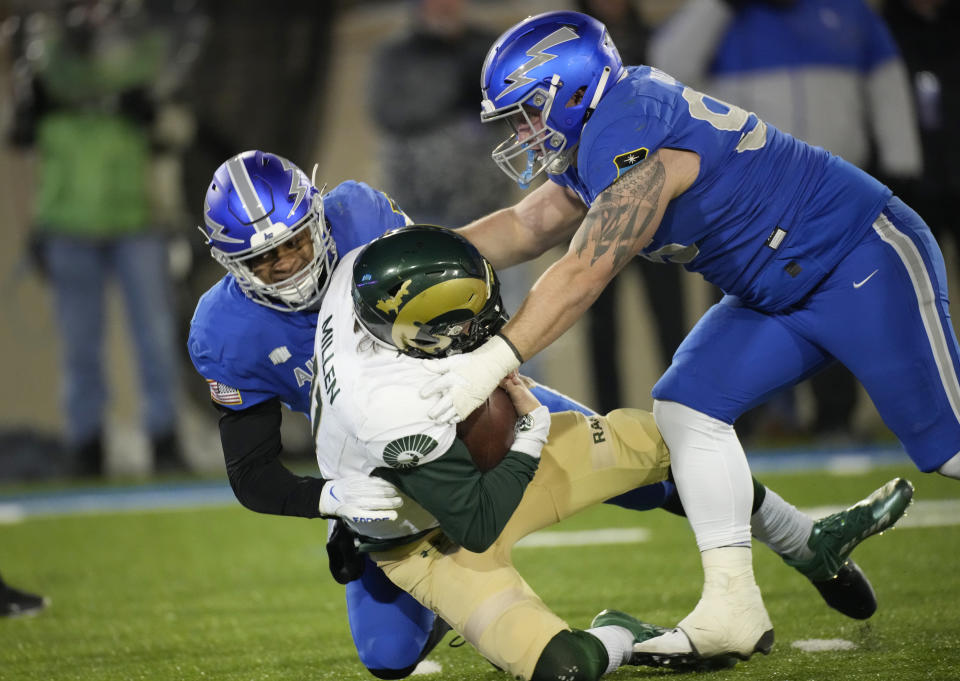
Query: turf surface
x,y
225,593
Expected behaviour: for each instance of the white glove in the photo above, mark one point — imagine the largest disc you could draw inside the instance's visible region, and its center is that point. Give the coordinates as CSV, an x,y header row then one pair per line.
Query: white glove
x,y
532,432
465,381
359,498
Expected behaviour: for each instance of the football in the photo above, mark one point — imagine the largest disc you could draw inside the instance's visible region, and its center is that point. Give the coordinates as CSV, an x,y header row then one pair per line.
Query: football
x,y
488,431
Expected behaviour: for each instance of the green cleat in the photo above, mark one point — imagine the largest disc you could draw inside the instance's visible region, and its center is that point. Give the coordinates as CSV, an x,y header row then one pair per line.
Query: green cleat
x,y
643,631
835,537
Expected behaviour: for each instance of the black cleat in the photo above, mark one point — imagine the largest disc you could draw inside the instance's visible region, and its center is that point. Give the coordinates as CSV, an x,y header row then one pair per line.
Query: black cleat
x,y
16,603
849,592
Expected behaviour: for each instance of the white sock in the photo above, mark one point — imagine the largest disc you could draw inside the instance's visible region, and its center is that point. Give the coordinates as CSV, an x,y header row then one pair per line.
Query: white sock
x,y
951,468
711,473
782,527
619,644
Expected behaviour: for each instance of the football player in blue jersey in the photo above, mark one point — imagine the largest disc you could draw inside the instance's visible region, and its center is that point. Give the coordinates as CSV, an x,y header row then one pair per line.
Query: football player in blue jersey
x,y
252,339
820,263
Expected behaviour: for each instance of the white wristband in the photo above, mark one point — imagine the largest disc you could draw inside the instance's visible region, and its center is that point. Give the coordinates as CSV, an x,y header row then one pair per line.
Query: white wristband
x,y
532,432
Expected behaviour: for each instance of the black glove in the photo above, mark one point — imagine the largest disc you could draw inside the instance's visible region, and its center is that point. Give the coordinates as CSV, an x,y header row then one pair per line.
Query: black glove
x,y
346,563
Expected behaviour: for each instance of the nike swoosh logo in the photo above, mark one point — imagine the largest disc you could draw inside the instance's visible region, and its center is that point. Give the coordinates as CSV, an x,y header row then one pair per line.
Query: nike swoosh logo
x,y
858,284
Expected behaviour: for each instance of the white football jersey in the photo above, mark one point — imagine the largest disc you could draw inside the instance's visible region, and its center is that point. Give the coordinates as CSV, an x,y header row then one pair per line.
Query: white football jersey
x,y
370,411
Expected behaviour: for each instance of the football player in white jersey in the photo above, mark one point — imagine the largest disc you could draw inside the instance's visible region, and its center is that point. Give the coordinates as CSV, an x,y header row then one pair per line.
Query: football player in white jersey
x,y
427,292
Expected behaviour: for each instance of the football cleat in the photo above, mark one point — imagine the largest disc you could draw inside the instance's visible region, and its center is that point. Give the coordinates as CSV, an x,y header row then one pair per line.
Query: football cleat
x,y
849,592
729,619
835,537
16,603
734,623
642,631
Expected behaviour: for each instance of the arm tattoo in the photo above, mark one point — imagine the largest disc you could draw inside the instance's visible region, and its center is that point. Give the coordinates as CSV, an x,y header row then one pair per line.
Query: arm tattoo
x,y
621,215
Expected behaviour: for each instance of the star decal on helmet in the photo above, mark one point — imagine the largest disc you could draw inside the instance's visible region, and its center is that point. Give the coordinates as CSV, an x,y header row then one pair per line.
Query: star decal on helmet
x,y
392,305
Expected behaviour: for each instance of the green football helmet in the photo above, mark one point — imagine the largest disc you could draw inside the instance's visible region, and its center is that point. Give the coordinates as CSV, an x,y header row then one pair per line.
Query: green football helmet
x,y
426,291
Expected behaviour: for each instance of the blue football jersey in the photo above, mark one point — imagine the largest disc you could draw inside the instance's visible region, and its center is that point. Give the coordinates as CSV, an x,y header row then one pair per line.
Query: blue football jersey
x,y
250,353
768,215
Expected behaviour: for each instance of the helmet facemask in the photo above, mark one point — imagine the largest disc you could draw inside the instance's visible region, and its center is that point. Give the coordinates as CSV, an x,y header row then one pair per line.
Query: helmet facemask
x,y
452,333
303,289
545,149
522,161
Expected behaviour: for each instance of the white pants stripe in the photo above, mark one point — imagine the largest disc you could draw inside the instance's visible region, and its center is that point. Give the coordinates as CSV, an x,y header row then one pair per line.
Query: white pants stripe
x,y
927,303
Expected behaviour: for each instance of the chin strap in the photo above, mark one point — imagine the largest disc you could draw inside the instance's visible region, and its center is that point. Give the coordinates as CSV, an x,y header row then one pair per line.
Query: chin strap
x,y
598,93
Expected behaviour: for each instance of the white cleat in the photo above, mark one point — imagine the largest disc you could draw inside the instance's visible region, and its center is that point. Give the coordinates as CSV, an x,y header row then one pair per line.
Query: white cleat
x,y
673,650
734,623
730,620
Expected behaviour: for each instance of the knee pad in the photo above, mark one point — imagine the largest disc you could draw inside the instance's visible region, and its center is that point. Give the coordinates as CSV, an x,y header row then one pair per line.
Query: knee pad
x,y
673,419
573,656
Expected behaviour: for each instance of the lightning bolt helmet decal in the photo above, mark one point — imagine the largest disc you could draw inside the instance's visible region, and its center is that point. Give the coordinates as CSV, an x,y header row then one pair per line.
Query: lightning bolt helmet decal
x,y
538,57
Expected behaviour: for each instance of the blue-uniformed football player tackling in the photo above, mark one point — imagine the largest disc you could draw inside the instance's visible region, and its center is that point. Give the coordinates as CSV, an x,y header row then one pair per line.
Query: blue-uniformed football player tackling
x,y
252,339
819,263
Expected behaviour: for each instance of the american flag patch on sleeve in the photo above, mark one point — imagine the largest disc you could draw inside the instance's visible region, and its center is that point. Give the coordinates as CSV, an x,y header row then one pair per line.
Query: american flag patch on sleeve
x,y
223,394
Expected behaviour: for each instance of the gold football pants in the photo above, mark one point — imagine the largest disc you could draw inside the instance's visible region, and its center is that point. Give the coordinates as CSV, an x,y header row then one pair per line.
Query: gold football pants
x,y
587,459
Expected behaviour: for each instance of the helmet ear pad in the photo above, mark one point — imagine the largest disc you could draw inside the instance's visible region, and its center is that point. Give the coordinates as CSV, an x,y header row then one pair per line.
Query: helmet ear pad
x,y
427,292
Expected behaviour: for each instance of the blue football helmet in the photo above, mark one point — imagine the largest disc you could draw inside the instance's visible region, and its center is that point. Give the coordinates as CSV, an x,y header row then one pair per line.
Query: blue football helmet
x,y
255,202
559,64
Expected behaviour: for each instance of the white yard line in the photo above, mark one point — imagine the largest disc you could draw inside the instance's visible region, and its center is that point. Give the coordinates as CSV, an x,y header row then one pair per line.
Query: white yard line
x,y
941,513
933,513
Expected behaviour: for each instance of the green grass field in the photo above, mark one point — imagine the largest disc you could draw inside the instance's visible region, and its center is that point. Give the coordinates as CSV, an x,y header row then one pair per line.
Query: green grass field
x,y
226,594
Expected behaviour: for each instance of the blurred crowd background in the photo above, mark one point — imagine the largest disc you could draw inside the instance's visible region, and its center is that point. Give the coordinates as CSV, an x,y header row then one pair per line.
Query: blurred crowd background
x,y
115,113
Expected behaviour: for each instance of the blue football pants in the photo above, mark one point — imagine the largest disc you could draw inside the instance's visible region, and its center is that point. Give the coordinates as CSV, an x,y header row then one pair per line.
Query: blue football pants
x,y
883,312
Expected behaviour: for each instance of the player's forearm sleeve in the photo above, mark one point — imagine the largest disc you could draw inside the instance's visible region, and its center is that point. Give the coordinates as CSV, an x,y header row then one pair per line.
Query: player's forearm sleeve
x,y
471,507
251,450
